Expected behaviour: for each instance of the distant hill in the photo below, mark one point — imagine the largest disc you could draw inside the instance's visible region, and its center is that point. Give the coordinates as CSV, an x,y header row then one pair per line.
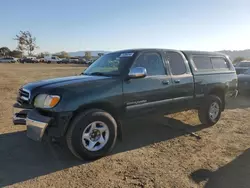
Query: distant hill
x,y
240,53
82,53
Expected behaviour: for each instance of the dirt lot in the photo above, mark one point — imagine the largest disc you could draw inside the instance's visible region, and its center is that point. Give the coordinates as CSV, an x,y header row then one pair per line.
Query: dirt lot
x,y
156,152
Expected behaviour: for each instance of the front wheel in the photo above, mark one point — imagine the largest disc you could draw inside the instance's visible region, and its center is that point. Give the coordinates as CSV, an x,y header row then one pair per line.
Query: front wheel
x,y
92,134
210,112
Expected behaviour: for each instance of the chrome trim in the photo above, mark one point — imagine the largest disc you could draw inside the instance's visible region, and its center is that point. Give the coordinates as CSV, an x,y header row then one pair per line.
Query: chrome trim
x,y
25,98
26,91
35,129
232,94
236,93
182,98
15,118
199,95
137,72
144,105
19,111
136,106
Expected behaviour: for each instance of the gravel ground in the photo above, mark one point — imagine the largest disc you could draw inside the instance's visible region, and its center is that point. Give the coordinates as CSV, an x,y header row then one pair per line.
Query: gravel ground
x,y
155,151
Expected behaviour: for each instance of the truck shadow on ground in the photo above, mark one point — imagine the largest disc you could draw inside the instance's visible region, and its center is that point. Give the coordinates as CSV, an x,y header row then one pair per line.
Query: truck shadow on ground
x,y
22,159
234,174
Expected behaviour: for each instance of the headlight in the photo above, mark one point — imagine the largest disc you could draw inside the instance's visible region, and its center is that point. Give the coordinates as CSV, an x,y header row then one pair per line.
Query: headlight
x,y
46,101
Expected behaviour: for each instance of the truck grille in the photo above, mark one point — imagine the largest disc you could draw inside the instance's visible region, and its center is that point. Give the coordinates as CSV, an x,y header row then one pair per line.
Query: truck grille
x,y
24,96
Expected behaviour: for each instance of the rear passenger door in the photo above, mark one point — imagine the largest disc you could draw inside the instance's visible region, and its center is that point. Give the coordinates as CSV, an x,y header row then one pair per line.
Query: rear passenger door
x,y
183,83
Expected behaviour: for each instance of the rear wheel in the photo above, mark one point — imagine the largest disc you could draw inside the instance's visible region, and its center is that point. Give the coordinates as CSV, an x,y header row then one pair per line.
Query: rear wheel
x,y
209,114
92,134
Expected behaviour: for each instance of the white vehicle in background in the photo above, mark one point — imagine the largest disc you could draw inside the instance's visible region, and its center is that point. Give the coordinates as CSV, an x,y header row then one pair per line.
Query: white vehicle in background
x,y
7,60
52,59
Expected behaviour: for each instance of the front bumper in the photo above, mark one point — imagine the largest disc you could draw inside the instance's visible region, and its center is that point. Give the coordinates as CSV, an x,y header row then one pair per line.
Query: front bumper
x,y
20,114
36,123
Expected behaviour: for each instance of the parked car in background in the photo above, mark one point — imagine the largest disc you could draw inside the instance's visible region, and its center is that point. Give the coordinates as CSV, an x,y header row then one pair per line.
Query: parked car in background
x,y
16,59
51,59
64,61
82,61
73,60
7,60
242,67
244,82
26,60
29,60
40,60
89,109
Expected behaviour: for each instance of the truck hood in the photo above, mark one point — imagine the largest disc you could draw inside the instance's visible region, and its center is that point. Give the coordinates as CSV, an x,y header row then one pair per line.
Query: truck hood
x,y
58,82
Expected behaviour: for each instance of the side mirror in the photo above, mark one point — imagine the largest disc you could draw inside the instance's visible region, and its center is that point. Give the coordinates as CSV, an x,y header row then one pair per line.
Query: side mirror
x,y
137,72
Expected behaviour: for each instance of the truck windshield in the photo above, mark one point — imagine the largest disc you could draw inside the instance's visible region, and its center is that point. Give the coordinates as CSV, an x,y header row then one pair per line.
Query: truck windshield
x,y
109,64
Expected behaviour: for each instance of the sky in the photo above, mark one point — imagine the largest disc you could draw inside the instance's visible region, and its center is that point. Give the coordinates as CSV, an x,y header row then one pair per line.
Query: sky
x,y
74,25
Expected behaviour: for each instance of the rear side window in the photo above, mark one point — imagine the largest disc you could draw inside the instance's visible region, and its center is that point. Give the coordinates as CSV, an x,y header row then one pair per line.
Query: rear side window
x,y
202,63
219,63
176,62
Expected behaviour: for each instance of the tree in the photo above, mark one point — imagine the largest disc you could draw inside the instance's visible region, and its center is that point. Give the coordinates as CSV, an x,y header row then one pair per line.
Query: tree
x,y
40,55
87,56
26,42
16,54
46,54
43,54
238,59
4,51
62,54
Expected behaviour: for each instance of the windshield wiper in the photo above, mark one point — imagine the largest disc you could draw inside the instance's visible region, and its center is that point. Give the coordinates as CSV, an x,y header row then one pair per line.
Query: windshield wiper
x,y
98,74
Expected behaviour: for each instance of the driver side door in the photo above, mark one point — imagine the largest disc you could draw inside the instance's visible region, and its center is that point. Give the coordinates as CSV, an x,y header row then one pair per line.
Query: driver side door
x,y
151,94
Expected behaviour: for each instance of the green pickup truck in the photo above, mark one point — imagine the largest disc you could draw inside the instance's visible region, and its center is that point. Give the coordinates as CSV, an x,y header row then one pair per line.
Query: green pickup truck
x,y
89,109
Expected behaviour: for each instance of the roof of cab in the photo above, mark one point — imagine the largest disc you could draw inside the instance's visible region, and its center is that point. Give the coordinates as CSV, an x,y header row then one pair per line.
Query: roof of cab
x,y
187,52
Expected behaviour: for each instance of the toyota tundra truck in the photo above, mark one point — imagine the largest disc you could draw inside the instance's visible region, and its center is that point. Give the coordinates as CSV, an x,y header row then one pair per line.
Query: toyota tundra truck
x,y
89,109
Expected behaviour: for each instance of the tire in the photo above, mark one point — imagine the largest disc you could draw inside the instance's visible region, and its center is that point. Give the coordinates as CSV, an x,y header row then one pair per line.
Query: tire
x,y
80,125
204,111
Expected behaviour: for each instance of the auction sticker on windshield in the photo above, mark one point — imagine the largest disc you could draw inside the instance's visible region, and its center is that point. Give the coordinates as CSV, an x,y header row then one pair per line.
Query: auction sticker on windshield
x,y
126,54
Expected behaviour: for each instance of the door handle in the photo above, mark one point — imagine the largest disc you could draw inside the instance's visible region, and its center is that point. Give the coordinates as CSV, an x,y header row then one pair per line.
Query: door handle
x,y
177,81
165,82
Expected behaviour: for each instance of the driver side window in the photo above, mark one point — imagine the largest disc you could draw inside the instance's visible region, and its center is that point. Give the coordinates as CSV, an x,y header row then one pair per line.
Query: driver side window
x,y
152,62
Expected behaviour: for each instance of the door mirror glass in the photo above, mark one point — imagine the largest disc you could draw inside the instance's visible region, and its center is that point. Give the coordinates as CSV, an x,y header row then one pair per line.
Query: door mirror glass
x,y
137,72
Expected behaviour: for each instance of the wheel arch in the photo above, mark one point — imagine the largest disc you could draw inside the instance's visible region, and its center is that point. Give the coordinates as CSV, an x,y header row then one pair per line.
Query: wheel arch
x,y
220,92
108,107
